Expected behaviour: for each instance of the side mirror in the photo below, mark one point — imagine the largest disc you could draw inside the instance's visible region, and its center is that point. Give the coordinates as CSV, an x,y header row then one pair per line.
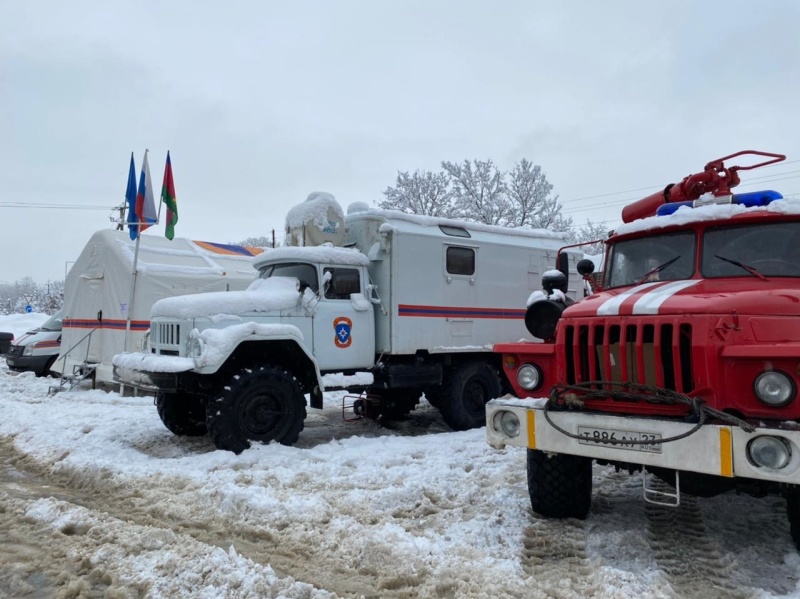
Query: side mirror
x,y
585,267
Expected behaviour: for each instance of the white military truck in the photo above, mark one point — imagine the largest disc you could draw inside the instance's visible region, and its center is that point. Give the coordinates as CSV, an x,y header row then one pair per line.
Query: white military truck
x,y
379,301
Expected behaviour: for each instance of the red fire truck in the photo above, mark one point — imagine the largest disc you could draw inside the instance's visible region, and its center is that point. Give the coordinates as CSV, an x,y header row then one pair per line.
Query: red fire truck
x,y
684,361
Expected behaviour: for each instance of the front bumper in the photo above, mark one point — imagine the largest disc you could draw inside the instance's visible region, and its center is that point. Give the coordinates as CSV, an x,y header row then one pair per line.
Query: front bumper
x,y
33,363
166,382
715,449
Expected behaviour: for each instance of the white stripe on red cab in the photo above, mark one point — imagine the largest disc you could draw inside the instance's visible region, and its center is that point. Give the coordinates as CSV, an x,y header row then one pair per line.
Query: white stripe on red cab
x,y
611,307
650,302
650,297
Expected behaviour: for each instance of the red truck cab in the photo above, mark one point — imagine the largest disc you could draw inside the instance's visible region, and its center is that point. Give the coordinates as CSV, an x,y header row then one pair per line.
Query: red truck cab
x,y
685,363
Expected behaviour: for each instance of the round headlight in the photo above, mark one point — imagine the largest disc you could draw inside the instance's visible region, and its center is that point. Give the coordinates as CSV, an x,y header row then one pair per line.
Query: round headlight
x,y
506,422
769,452
774,388
529,377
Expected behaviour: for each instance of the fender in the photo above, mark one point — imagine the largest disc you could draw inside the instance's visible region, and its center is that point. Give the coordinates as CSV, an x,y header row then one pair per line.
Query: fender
x,y
210,350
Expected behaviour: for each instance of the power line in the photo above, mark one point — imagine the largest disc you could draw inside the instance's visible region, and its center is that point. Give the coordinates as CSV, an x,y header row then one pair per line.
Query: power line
x,y
577,209
661,186
55,206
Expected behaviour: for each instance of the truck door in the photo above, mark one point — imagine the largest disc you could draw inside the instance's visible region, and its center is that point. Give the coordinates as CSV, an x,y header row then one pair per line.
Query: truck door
x,y
344,325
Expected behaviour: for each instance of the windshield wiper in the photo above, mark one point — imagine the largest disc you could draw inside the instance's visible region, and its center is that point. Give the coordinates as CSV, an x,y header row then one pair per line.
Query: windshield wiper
x,y
743,266
657,269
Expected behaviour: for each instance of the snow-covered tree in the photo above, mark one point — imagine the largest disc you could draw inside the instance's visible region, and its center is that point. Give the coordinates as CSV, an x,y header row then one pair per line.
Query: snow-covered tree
x,y
46,298
422,192
480,192
261,241
591,232
532,201
476,190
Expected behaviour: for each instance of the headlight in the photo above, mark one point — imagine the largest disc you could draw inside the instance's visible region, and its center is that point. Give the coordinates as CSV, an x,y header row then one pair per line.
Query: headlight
x,y
529,377
774,388
28,351
769,452
506,422
195,347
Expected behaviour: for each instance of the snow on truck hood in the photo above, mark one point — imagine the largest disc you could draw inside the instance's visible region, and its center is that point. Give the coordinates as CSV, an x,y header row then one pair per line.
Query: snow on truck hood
x,y
694,296
263,295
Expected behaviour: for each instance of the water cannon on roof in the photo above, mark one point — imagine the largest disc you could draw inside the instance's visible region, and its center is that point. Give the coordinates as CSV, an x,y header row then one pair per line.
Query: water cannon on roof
x,y
712,186
318,220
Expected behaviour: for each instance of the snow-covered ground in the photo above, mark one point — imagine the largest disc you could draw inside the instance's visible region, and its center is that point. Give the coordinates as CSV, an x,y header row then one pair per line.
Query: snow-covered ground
x,y
98,499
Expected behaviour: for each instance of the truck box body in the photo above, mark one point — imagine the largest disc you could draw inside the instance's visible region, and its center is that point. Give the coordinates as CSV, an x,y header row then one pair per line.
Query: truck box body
x,y
431,307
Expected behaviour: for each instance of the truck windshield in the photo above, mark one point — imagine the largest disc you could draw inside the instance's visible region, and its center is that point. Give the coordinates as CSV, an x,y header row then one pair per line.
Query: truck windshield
x,y
659,258
305,273
53,323
754,250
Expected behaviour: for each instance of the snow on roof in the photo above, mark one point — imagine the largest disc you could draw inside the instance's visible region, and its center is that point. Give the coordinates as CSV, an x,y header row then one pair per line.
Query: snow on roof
x,y
435,221
323,254
275,293
159,255
714,212
313,211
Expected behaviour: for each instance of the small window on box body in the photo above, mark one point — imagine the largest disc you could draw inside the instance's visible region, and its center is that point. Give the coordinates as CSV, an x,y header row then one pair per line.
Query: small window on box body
x,y
454,231
460,261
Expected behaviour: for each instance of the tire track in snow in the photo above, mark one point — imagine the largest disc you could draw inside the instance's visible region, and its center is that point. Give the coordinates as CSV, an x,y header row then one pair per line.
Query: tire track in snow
x,y
150,509
694,564
554,557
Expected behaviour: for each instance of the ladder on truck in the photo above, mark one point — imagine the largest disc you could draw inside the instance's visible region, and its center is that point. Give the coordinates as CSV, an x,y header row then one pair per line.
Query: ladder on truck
x,y
80,372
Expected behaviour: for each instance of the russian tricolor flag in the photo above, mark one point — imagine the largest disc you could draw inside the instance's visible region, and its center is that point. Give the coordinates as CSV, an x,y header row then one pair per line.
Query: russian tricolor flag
x,y
146,214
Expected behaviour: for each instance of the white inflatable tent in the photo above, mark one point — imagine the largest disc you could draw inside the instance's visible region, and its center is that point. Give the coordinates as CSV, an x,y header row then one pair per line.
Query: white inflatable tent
x,y
97,291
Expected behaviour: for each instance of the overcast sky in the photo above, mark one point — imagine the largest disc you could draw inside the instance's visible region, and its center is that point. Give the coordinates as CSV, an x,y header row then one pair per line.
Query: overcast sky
x,y
261,103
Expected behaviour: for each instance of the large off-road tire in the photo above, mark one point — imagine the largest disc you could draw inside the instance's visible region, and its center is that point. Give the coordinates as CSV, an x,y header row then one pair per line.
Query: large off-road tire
x,y
559,485
261,404
183,414
793,512
465,392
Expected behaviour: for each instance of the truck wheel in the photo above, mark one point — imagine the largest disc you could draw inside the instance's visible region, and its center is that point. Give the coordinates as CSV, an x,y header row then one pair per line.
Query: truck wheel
x,y
559,485
465,392
263,404
183,414
793,512
46,370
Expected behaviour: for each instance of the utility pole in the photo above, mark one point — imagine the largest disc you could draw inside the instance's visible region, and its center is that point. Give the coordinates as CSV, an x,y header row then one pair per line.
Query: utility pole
x,y
121,221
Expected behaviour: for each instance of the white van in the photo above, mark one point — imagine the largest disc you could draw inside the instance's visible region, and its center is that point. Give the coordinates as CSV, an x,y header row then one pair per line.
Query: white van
x,y
38,349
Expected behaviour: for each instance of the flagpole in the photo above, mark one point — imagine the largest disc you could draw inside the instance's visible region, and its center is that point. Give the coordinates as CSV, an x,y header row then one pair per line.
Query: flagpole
x,y
133,291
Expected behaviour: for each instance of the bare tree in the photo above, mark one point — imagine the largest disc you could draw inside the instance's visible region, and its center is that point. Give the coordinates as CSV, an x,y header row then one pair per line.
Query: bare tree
x,y
420,193
480,192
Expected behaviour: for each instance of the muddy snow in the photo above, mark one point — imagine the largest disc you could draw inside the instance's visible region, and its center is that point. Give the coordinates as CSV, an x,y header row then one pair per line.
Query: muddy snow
x,y
98,499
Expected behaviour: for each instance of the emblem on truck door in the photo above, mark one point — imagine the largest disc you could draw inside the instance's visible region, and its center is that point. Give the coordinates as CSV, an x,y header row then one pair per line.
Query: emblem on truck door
x,y
342,326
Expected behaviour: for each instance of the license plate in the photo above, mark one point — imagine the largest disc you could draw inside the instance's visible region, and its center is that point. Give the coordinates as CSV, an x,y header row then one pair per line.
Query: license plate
x,y
610,437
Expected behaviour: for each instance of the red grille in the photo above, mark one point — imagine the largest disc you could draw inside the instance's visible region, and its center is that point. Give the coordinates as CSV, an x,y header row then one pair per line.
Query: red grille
x,y
647,351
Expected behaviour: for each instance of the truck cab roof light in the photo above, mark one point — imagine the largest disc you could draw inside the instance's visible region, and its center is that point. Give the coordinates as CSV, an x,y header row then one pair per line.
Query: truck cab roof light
x,y
748,200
